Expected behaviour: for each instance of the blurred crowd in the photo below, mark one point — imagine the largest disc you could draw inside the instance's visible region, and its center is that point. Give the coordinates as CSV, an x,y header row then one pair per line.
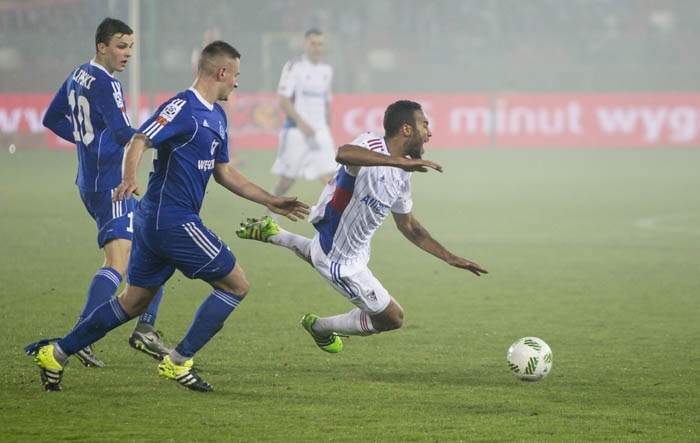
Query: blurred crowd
x,y
375,46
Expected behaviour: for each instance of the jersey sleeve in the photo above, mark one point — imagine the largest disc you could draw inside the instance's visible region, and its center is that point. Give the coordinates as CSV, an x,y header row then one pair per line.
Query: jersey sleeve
x,y
367,140
287,80
110,104
57,115
168,122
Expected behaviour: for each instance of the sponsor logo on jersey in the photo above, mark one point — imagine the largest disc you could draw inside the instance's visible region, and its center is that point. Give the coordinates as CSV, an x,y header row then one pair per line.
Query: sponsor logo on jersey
x,y
205,123
375,205
214,145
205,165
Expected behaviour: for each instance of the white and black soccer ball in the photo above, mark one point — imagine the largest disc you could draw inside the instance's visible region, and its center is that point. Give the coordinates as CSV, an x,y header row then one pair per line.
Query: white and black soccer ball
x,y
529,359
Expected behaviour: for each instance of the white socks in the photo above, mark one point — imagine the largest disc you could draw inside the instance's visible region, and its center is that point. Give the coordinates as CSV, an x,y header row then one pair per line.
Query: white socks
x,y
355,322
299,244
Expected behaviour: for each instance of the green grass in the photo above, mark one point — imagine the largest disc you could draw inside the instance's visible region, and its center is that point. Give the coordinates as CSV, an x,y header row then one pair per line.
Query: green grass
x,y
595,251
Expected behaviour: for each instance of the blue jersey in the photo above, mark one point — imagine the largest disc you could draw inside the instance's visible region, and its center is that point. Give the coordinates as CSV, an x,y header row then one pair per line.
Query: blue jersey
x,y
98,125
189,135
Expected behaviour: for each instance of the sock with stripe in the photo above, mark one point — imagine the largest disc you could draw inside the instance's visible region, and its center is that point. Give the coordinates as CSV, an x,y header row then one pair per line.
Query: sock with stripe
x,y
106,317
208,320
102,287
299,244
355,322
149,317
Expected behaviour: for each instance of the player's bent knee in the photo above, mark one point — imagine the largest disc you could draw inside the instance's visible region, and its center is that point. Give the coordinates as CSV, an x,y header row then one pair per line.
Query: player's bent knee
x,y
135,299
235,282
388,321
239,288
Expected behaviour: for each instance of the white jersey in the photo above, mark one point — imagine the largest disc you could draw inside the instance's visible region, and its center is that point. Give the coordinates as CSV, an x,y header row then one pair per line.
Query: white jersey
x,y
309,87
355,203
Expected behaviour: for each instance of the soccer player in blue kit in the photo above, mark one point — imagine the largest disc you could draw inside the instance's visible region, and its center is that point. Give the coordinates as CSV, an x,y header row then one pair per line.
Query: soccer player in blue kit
x,y
93,99
189,135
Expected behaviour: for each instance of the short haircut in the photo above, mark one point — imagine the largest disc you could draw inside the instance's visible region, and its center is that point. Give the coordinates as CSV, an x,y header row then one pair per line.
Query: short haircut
x,y
109,28
214,50
312,31
398,113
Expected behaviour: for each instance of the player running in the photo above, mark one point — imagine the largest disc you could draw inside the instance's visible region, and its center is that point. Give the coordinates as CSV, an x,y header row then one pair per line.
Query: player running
x,y
189,135
372,181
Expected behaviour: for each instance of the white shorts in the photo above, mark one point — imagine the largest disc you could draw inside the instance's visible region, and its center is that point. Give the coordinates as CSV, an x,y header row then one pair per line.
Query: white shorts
x,y
304,157
355,281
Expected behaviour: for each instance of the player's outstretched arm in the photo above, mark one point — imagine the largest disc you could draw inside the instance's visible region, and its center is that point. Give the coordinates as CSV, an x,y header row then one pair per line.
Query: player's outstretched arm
x,y
231,179
133,152
351,155
419,236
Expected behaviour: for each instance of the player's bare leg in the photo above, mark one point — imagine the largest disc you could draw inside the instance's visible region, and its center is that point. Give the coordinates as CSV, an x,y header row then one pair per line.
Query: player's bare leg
x,y
358,322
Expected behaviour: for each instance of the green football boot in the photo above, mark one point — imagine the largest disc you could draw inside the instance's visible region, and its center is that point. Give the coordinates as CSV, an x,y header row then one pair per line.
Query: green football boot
x,y
183,374
328,343
254,229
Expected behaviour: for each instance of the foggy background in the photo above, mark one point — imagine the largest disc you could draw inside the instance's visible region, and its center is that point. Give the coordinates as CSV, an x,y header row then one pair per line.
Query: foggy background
x,y
375,46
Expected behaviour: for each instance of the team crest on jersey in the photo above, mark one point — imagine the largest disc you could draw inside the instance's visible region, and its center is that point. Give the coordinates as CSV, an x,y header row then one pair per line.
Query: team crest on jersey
x,y
371,295
214,145
222,131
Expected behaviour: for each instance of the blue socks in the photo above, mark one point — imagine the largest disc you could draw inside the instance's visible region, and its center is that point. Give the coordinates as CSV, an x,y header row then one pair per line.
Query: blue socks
x,y
103,287
150,315
208,320
106,317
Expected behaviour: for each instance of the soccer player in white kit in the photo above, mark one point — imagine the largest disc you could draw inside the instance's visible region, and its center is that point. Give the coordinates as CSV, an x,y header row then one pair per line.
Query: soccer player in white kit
x,y
306,148
372,181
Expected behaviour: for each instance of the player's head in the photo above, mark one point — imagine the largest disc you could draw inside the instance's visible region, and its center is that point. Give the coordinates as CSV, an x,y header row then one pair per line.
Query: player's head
x,y
114,40
313,45
220,63
406,119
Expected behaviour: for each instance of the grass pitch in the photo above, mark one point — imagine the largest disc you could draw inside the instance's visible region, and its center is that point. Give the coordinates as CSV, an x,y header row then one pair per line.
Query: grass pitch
x,y
594,251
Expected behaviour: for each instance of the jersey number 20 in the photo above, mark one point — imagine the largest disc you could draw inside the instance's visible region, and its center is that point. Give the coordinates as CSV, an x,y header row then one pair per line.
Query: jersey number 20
x,y
80,111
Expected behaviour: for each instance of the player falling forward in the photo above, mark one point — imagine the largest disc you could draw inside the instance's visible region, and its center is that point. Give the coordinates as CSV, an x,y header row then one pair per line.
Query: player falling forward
x,y
94,101
373,180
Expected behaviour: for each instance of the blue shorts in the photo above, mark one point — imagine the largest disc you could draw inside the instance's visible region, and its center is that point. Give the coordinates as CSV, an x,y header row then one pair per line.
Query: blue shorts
x,y
114,220
191,248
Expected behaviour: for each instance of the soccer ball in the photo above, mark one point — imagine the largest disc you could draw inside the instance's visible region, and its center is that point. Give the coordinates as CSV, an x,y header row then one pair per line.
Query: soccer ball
x,y
529,359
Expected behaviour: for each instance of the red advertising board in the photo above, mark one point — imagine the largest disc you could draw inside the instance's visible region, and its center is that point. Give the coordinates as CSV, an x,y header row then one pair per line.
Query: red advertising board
x,y
597,120
457,121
